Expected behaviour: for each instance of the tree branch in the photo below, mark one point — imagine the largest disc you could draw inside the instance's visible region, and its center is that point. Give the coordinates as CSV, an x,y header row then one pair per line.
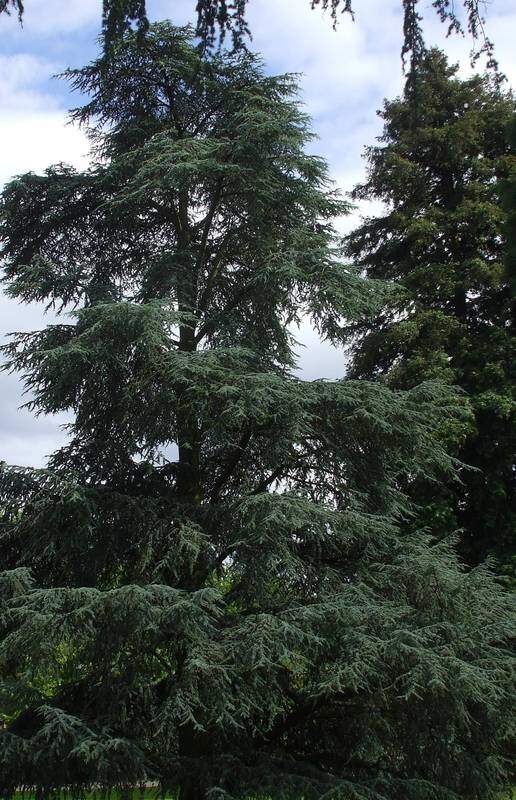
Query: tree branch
x,y
231,465
214,272
207,223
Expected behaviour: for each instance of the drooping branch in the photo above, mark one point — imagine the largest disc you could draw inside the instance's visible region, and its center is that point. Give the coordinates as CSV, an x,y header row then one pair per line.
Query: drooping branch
x,y
7,6
218,18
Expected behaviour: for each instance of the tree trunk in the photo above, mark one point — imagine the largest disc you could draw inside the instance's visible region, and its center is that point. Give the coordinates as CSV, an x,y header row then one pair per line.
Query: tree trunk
x,y
194,748
188,434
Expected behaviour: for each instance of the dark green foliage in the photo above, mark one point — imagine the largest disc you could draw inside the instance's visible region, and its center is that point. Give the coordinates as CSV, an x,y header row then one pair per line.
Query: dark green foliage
x,y
119,15
215,18
246,619
509,202
509,197
438,168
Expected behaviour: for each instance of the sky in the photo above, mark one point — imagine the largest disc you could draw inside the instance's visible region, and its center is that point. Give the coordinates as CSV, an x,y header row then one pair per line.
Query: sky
x,y
344,76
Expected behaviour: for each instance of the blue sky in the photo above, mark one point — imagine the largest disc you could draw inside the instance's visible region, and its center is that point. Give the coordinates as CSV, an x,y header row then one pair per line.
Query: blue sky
x,y
344,75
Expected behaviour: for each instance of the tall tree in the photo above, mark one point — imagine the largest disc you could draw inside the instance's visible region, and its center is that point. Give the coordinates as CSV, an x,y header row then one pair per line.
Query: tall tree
x,y
509,198
438,169
216,18
243,618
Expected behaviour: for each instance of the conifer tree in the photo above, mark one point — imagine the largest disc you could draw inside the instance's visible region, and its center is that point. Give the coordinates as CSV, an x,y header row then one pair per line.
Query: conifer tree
x,y
438,168
509,198
243,616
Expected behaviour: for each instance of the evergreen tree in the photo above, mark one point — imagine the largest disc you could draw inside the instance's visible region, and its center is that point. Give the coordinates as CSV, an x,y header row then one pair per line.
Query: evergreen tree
x,y
440,241
244,618
509,197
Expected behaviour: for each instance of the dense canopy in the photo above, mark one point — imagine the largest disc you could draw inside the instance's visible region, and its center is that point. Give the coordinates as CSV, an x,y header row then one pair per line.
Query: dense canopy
x,y
440,168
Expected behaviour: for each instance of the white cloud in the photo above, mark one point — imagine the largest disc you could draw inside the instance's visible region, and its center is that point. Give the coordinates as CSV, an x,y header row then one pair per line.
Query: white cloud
x,y
22,77
52,17
33,122
25,439
33,141
34,134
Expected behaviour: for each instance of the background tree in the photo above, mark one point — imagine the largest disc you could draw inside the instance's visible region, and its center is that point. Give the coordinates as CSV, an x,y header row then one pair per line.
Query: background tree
x,y
440,241
244,618
216,18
